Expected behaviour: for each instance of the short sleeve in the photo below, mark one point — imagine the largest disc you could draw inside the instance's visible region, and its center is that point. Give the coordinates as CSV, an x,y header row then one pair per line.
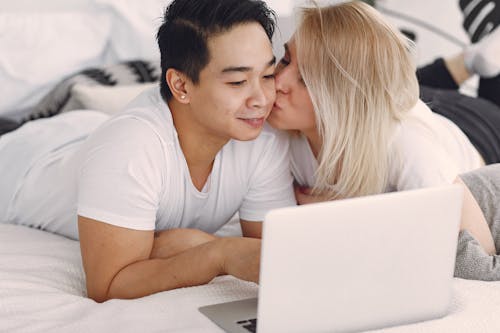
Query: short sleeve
x,y
120,178
271,182
418,162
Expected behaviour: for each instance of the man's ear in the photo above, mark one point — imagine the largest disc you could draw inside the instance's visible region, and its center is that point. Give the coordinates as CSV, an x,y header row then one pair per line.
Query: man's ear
x,y
177,83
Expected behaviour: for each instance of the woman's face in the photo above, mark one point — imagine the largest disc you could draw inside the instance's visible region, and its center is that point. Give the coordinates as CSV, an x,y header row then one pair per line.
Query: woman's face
x,y
293,109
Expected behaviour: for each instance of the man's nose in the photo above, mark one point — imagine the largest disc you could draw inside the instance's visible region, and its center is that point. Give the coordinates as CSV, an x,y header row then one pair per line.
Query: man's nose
x,y
260,97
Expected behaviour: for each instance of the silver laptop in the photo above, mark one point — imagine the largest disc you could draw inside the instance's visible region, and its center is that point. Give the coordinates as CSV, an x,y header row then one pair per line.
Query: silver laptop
x,y
352,265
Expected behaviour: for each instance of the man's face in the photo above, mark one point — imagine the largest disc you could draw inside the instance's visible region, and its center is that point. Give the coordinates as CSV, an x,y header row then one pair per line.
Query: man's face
x,y
236,90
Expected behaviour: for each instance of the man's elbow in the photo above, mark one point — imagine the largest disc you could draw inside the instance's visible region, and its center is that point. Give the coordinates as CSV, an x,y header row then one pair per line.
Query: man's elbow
x,y
98,297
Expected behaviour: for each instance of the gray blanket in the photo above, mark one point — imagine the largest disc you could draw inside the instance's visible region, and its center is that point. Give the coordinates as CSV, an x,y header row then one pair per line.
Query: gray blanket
x,y
472,261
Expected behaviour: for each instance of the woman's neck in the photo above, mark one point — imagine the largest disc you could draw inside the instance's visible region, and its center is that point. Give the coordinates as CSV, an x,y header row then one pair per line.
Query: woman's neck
x,y
314,141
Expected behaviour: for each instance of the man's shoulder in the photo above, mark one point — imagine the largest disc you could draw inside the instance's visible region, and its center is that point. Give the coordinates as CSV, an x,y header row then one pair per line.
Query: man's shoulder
x,y
145,117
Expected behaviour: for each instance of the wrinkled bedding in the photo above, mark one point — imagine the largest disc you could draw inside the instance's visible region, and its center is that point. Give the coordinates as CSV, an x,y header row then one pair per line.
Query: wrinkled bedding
x,y
42,289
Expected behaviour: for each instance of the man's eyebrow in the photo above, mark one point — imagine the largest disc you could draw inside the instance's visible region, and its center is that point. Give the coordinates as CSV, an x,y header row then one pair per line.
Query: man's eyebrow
x,y
246,69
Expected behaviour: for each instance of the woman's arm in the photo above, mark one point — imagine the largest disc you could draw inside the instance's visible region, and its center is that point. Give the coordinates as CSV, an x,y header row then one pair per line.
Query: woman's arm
x,y
474,222
473,262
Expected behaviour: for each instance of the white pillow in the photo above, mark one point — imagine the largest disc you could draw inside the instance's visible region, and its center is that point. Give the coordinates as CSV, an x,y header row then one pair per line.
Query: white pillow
x,y
108,99
38,49
135,25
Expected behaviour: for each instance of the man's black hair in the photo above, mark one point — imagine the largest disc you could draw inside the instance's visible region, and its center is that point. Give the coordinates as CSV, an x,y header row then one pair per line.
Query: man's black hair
x,y
188,24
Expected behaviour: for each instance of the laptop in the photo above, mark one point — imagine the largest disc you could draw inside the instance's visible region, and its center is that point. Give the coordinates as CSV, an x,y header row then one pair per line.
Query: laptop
x,y
352,265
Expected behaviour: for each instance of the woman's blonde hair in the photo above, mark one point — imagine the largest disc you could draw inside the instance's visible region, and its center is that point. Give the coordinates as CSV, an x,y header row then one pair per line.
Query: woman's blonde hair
x,y
360,73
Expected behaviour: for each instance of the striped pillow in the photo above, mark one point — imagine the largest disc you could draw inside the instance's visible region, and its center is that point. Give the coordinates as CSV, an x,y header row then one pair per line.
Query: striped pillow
x,y
480,17
126,73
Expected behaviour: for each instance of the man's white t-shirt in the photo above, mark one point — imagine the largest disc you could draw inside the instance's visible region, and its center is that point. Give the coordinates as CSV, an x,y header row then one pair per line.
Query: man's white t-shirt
x,y
134,174
131,172
426,150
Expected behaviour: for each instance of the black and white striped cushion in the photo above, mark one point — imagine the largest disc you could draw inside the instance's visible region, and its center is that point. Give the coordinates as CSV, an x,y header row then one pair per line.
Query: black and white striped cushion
x,y
480,17
130,72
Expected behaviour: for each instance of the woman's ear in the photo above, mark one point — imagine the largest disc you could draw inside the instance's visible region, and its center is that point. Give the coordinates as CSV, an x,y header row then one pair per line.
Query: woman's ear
x,y
177,83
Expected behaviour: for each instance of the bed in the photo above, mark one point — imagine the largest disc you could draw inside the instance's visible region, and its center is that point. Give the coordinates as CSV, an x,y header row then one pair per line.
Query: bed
x,y
42,289
42,284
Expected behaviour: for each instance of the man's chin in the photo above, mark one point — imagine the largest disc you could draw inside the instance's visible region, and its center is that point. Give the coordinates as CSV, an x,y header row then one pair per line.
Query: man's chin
x,y
247,135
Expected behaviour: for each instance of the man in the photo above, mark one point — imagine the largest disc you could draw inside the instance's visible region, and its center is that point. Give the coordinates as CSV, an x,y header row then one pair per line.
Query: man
x,y
156,180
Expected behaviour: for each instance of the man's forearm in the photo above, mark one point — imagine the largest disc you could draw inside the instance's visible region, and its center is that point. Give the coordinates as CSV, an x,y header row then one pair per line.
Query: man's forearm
x,y
169,243
195,266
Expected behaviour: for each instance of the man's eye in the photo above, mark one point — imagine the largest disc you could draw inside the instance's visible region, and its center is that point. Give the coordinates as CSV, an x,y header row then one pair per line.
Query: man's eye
x,y
237,83
269,77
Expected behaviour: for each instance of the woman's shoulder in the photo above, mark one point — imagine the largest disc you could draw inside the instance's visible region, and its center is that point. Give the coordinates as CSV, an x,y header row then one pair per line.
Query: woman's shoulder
x,y
418,118
418,157
415,131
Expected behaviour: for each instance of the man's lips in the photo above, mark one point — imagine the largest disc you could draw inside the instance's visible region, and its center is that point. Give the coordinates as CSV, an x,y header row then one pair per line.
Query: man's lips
x,y
254,122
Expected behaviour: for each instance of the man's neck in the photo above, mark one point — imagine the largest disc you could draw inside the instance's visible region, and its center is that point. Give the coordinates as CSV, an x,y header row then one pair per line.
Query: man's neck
x,y
198,145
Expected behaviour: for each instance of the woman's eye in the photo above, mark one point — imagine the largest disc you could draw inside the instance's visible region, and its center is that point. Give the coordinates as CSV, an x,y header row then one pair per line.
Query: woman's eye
x,y
284,61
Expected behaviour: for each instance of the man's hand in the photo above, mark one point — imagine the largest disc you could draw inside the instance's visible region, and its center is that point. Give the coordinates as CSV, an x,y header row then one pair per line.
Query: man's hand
x,y
241,257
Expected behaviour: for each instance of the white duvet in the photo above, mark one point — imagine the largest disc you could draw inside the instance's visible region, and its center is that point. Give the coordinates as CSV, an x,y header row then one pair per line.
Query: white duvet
x,y
42,290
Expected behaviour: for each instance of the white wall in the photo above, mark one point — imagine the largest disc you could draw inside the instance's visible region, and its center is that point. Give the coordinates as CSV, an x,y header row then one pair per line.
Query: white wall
x,y
444,15
133,24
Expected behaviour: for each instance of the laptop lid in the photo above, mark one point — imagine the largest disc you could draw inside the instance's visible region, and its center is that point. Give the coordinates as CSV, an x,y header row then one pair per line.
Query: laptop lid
x,y
360,263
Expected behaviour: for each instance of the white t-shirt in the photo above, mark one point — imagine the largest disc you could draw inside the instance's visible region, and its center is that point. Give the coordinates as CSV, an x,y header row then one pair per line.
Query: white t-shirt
x,y
38,164
134,174
131,172
302,162
426,150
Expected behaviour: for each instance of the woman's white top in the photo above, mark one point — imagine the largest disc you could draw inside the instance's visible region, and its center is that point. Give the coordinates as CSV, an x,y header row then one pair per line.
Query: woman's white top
x,y
425,150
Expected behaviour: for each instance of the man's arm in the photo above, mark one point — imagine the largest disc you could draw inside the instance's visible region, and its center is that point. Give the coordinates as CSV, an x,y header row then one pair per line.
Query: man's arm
x,y
251,229
169,243
118,263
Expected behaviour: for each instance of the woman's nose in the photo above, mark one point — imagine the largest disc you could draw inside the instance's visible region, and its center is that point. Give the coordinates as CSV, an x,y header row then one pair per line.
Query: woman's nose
x,y
279,81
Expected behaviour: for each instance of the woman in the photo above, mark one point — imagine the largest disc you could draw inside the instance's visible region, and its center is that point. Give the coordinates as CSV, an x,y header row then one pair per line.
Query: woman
x,y
358,110
347,89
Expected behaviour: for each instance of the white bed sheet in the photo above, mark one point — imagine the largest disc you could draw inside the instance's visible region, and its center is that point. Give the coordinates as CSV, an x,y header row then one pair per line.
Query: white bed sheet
x,y
42,289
